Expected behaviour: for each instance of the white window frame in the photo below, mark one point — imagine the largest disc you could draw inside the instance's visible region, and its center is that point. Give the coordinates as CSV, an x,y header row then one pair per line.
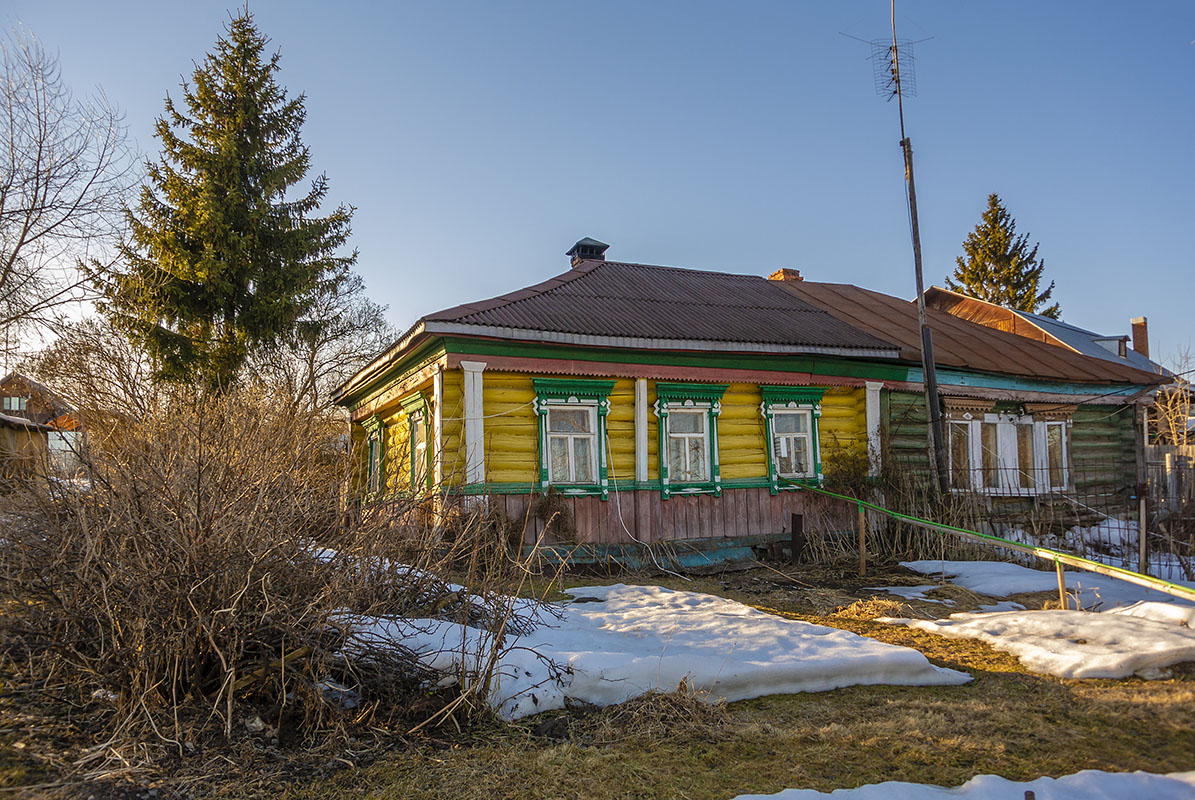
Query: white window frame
x,y
702,412
591,436
810,440
1008,450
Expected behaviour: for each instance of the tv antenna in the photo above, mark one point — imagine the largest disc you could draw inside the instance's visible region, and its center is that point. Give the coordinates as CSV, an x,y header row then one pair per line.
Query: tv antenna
x,y
893,70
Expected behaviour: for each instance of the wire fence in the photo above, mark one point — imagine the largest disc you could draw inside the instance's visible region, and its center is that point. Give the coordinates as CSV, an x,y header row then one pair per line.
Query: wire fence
x,y
1092,511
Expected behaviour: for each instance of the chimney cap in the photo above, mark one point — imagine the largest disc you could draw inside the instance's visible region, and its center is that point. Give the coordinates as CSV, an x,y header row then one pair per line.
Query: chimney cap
x,y
588,248
786,274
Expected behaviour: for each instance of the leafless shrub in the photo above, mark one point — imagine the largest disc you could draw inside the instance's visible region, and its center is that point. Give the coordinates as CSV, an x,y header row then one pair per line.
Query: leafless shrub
x,y
203,580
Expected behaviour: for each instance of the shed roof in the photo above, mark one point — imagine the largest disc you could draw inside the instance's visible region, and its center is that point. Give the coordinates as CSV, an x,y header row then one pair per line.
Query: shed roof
x,y
961,343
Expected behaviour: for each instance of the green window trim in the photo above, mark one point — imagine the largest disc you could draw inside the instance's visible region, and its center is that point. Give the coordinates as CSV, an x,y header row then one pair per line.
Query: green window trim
x,y
791,398
689,397
556,393
417,411
375,455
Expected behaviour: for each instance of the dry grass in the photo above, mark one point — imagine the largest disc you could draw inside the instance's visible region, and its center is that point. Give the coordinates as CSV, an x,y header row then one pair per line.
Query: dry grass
x,y
1007,722
874,608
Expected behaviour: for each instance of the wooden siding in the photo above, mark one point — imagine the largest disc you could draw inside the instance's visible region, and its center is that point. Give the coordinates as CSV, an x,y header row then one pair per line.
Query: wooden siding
x,y
844,418
454,427
1101,440
1103,450
741,445
907,434
643,516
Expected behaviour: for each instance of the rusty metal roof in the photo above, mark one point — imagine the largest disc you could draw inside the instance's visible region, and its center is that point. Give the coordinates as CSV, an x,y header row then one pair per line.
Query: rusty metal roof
x,y
617,300
959,342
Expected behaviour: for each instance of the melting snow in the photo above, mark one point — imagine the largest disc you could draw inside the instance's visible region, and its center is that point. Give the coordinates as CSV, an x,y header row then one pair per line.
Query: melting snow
x,y
617,642
1087,785
1001,579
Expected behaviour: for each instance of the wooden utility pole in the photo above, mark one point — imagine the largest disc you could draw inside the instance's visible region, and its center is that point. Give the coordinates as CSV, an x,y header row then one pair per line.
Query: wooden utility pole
x,y
937,444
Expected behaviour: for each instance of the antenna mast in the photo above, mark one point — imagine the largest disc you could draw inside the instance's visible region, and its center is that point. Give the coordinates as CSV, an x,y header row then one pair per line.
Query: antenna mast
x,y
937,444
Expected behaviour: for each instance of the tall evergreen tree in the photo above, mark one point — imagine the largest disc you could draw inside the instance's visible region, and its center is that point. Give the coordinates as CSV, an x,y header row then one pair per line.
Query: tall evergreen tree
x,y
221,259
998,266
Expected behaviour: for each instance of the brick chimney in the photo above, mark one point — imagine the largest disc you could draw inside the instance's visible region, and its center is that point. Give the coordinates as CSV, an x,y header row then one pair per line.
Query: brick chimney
x,y
1140,335
786,274
588,250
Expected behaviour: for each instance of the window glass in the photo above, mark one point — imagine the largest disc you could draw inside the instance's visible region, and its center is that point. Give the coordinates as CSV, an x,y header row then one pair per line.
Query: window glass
x,y
686,422
790,422
1055,457
561,420
1026,463
582,468
418,451
687,446
990,455
960,454
792,444
559,461
572,445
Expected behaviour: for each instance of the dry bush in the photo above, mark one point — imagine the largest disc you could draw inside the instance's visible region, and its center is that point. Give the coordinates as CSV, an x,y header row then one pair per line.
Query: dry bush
x,y
654,716
876,607
203,580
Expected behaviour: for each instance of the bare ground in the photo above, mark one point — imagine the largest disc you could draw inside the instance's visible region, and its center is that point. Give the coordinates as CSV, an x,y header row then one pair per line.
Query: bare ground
x,y
1007,721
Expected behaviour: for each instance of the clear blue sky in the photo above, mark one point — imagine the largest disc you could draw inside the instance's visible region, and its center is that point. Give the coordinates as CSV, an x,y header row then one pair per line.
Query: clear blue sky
x,y
479,140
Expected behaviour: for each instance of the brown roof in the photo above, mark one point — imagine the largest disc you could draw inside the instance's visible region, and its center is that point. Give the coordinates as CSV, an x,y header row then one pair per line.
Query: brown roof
x,y
959,342
620,301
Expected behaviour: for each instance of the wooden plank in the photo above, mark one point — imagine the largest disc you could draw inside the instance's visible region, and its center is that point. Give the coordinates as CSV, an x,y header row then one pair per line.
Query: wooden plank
x,y
705,516
642,526
718,506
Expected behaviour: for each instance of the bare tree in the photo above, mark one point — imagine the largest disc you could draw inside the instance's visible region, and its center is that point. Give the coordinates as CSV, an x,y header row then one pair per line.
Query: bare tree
x,y
97,370
64,173
341,331
1172,411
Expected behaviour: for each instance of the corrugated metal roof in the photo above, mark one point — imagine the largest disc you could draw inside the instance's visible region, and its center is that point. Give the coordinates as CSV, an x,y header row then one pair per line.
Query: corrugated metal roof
x,y
615,299
1085,341
959,342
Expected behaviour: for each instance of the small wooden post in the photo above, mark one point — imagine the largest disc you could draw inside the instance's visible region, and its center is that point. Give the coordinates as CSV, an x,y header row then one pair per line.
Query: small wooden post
x,y
1142,531
1061,584
862,542
798,538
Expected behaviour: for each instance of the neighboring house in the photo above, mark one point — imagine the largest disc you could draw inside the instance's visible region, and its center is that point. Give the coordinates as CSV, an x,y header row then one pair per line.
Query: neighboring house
x,y
23,446
1023,416
1131,350
23,398
676,404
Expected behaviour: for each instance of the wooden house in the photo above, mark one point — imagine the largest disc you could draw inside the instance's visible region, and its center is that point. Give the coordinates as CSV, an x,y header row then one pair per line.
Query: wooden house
x,y
54,421
666,404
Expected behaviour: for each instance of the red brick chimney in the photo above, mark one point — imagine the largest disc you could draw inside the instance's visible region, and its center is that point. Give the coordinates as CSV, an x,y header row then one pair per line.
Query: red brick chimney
x,y
1140,335
786,274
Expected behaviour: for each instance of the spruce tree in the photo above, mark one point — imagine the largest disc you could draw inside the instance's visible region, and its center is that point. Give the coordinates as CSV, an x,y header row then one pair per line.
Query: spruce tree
x,y
998,266
222,259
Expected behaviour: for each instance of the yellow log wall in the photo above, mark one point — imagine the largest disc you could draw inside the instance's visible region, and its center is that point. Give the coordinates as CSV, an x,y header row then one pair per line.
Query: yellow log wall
x,y
453,420
844,418
742,451
512,437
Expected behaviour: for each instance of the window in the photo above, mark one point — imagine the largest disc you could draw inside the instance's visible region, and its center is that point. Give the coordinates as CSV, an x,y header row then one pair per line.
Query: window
x,y
688,414
1005,453
375,458
790,418
15,403
415,408
572,435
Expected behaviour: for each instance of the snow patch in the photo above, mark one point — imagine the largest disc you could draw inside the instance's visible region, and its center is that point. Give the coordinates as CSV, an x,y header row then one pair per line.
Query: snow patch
x,y
1001,579
1087,785
1077,644
617,642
